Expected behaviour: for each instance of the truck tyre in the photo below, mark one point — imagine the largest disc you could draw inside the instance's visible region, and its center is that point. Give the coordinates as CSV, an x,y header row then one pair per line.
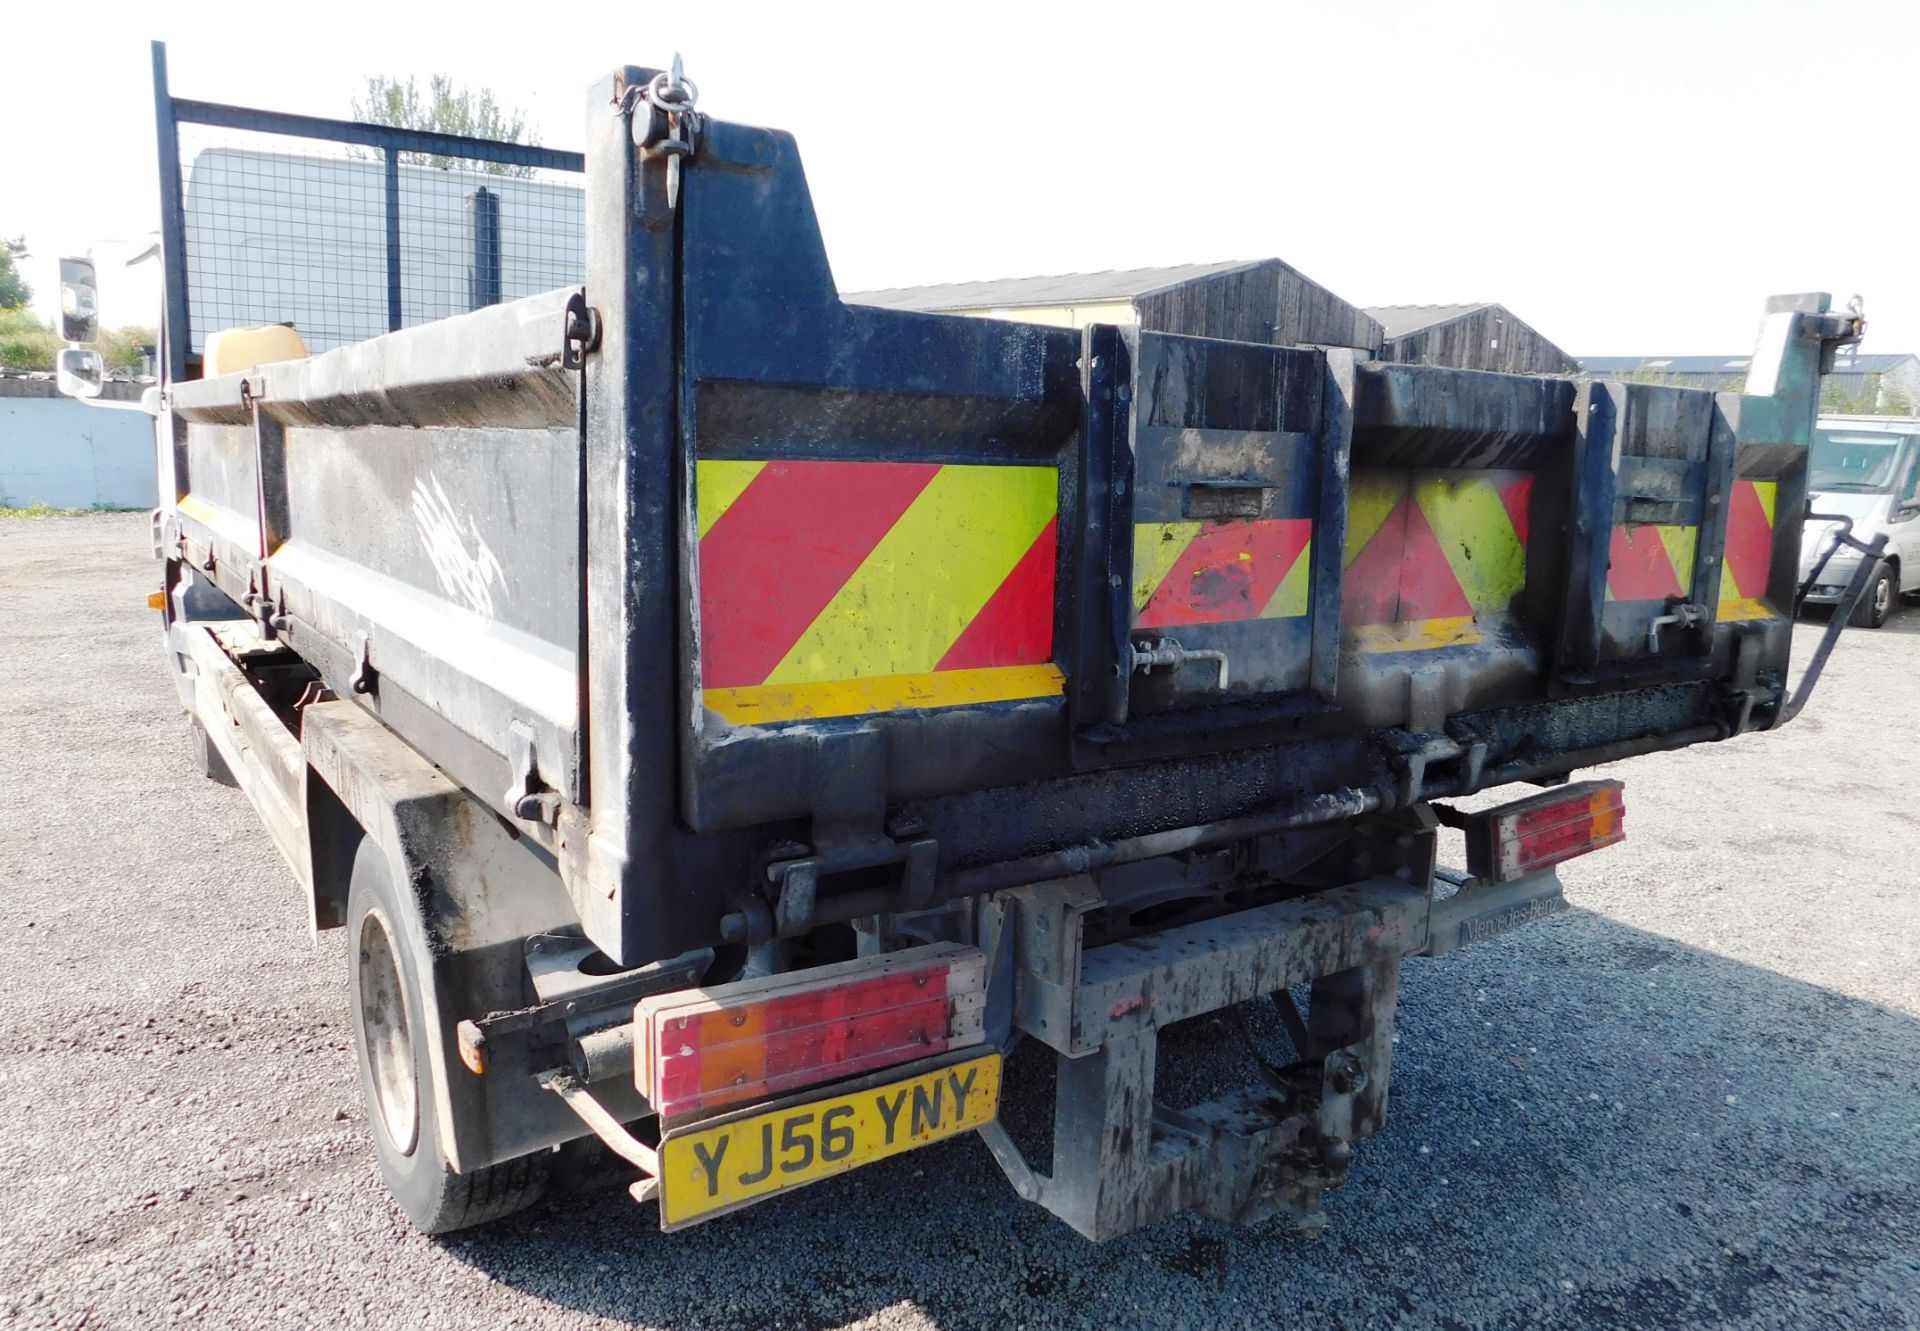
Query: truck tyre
x,y
390,1042
1877,605
207,758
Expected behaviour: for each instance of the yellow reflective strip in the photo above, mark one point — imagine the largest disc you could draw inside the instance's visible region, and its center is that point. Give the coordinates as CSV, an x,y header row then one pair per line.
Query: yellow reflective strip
x,y
1157,547
1736,607
910,600
1766,492
193,506
1289,599
1371,499
763,704
1477,538
240,528
718,484
1416,635
1679,542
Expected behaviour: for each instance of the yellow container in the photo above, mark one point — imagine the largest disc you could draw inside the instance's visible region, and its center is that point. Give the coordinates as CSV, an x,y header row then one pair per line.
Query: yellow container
x,y
234,349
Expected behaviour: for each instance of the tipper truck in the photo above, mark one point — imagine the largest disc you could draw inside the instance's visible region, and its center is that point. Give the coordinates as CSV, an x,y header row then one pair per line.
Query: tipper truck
x,y
740,726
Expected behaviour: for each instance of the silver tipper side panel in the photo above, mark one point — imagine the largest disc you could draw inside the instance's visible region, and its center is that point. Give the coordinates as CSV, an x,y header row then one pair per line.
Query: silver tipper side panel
x,y
403,513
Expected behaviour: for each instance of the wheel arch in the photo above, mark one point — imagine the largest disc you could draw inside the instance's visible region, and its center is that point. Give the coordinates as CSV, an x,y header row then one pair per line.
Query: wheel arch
x,y
473,891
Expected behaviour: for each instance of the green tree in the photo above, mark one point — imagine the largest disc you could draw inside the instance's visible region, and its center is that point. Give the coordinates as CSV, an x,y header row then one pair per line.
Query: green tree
x,y
14,291
29,343
1872,398
444,109
125,348
26,343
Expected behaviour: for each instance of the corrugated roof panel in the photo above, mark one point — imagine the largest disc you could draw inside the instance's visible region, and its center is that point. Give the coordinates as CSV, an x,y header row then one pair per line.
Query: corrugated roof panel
x,y
1399,319
1063,289
1879,363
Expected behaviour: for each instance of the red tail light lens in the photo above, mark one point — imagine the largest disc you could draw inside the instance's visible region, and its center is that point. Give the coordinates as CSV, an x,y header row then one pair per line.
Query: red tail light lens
x,y
705,1049
1543,830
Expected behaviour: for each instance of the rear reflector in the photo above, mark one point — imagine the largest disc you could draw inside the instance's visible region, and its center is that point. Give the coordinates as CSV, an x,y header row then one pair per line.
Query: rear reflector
x,y
704,1049
1541,831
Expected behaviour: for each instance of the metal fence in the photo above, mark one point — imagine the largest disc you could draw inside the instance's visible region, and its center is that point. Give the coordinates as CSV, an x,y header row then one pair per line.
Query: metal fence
x,y
347,230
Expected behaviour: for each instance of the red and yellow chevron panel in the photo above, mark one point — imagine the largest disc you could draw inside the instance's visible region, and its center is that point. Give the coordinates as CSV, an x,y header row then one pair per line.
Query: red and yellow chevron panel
x,y
1650,561
1219,572
1655,561
1430,554
844,588
1743,577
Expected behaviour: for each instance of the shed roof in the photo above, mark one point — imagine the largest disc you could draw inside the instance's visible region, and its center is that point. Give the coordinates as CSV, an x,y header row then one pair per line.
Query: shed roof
x,y
1400,319
1064,289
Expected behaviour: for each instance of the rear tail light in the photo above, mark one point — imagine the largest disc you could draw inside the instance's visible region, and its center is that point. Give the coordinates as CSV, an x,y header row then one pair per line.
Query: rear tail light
x,y
704,1049
1541,831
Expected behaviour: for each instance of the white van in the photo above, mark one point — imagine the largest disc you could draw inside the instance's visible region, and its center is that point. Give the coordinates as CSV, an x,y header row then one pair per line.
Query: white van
x,y
1866,468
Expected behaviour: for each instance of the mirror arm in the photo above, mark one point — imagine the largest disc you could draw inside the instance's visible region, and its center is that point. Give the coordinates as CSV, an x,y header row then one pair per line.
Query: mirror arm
x,y
143,405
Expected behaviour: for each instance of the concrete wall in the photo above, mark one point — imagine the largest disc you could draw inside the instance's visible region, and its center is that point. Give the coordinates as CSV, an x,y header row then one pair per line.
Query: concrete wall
x,y
57,451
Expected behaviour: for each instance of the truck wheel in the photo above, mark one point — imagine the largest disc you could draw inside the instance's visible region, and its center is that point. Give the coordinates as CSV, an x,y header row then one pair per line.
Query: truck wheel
x,y
207,758
1877,605
390,1040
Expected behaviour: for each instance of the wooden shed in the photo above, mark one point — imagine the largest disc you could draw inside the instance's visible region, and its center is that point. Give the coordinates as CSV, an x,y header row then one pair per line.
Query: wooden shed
x,y
1261,300
1483,336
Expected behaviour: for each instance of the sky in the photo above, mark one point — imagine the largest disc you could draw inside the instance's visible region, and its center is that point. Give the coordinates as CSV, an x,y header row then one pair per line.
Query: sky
x,y
1630,178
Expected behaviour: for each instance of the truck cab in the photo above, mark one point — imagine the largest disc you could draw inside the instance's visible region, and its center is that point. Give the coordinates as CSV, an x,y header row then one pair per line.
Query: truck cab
x,y
1865,469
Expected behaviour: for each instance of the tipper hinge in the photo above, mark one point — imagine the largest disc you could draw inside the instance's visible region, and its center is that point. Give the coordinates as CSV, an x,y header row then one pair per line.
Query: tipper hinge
x,y
529,797
892,877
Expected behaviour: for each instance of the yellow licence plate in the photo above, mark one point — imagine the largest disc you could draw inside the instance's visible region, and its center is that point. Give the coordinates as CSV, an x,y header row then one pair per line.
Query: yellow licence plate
x,y
707,1170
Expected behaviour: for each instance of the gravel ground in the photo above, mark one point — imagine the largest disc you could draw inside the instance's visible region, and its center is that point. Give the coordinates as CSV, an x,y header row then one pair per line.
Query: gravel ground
x,y
1691,1101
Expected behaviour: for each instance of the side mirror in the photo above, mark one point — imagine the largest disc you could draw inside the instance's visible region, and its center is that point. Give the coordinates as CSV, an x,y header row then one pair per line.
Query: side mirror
x,y
79,301
80,372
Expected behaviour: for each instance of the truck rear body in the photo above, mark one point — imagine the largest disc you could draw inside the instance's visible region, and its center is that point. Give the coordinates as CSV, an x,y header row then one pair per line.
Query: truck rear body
x,y
730,629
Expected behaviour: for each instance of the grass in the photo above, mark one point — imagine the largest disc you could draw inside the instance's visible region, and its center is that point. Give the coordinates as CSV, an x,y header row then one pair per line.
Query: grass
x,y
40,508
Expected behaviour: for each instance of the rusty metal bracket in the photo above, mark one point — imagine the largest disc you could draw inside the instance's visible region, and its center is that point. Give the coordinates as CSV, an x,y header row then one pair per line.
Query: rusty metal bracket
x,y
605,1126
260,604
528,795
1834,331
1120,1158
574,1003
665,123
796,893
799,903
364,679
1482,910
580,332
